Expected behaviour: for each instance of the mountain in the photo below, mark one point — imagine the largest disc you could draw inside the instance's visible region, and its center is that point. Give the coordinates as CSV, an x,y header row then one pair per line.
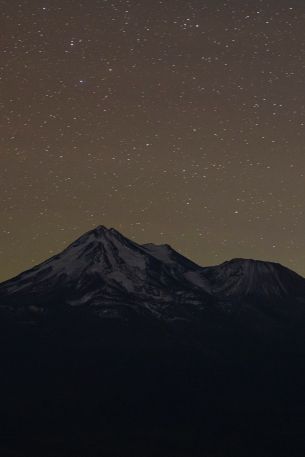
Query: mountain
x,y
110,276
247,277
103,268
115,348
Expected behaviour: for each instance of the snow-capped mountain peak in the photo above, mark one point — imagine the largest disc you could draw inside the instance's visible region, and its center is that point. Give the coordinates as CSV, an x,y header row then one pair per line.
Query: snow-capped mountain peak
x,y
106,262
104,266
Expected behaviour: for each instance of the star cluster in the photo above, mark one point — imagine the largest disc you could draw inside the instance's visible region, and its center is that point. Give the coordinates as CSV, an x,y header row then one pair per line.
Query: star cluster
x,y
179,122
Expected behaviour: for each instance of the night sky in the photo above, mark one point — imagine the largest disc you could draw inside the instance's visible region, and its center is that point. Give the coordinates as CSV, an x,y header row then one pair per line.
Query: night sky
x,y
174,121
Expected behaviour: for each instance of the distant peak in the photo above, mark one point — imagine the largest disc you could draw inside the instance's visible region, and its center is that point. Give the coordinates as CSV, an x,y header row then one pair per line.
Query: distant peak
x,y
100,229
97,233
102,233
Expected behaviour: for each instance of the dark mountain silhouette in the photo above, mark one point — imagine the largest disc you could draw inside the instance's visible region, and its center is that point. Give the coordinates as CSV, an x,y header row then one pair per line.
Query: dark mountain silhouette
x,y
112,348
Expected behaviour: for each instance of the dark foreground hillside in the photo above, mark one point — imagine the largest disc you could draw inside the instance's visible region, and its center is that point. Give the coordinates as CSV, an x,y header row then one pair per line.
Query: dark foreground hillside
x,y
116,349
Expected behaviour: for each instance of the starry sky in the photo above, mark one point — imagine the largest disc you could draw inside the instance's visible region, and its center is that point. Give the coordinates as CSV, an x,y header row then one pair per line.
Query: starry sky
x,y
174,121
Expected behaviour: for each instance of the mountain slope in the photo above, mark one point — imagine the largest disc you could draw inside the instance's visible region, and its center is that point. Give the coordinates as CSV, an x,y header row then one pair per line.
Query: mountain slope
x,y
247,277
103,268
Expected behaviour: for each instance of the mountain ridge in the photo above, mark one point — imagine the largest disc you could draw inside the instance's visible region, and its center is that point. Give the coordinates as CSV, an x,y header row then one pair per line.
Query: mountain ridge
x,y
102,230
103,267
